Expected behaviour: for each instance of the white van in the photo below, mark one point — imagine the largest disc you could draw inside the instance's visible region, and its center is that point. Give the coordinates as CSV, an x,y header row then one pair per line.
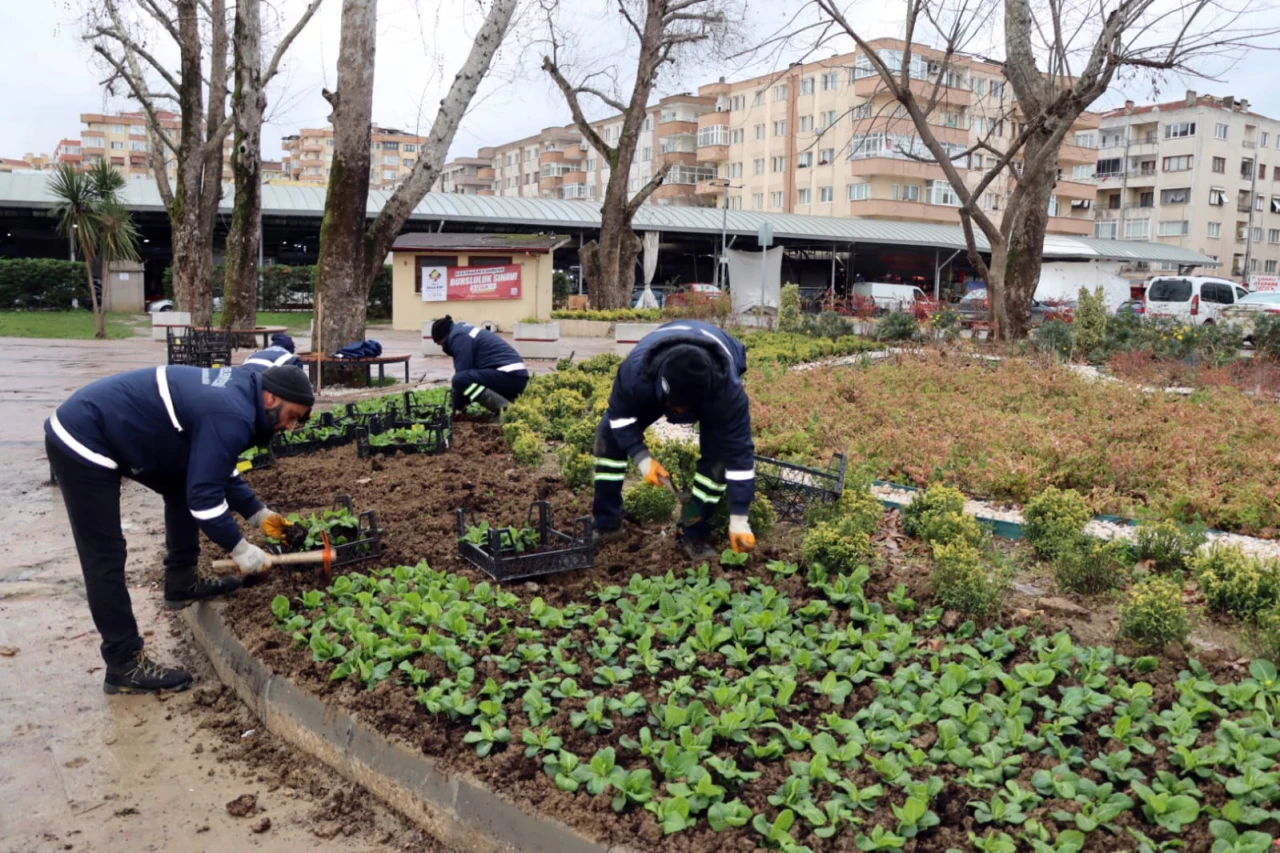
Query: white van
x,y
890,297
1196,300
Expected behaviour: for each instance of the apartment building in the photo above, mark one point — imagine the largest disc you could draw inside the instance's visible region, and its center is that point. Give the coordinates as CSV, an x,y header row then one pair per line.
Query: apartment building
x,y
1193,173
123,141
463,175
308,156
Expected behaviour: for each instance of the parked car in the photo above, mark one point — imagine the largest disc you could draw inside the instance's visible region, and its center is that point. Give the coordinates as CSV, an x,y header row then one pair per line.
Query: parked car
x,y
639,291
1132,306
693,293
974,307
890,297
156,306
1195,300
1248,308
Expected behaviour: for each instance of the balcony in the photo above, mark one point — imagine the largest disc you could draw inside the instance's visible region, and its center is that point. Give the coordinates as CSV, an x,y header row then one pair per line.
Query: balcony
x,y
1070,225
465,180
880,208
713,142
868,167
1073,155
906,127
575,176
676,126
1075,190
553,156
574,190
485,173
549,182
1249,145
923,90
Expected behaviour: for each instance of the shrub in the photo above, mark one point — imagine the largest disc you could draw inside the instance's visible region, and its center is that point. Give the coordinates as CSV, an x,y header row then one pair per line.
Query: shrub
x,y
1154,615
789,308
760,515
1091,324
781,348
617,315
582,435
42,284
857,508
828,324
963,582
649,504
1266,637
527,448
1056,337
836,547
604,364
1054,519
578,469
1235,583
680,458
561,286
896,326
935,500
944,528
524,415
1266,335
563,409
1091,566
1168,545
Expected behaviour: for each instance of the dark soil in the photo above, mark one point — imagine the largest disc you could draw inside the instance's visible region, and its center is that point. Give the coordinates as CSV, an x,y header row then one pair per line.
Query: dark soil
x,y
416,498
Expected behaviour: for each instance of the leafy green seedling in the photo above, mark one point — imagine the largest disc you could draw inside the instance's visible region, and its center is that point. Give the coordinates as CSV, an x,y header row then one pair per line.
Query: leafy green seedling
x,y
879,839
914,816
487,738
636,786
601,773
729,557
1167,810
561,767
540,740
723,815
1228,840
672,813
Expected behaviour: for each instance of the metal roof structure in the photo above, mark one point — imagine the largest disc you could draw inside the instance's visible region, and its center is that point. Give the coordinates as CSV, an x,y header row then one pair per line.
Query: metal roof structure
x,y
419,241
28,189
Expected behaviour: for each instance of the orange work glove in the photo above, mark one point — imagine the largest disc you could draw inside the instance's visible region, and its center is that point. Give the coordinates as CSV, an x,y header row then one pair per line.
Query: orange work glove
x,y
654,473
276,526
741,539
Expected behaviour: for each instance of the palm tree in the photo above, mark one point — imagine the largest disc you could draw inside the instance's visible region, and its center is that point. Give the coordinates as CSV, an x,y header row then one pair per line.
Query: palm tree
x,y
89,209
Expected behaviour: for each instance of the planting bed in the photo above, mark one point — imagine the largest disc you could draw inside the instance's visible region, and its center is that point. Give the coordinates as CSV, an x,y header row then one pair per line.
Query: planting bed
x,y
863,710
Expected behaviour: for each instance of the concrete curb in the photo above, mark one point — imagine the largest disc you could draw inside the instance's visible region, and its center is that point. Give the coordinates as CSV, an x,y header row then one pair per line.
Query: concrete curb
x,y
455,808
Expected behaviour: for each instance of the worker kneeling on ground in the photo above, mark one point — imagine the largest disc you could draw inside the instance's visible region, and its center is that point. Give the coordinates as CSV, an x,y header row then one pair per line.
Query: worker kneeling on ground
x,y
178,431
691,372
281,352
486,369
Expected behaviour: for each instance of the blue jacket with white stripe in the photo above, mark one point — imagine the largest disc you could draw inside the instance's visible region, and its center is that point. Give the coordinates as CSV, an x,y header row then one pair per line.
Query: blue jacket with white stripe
x,y
271,357
637,400
474,348
173,424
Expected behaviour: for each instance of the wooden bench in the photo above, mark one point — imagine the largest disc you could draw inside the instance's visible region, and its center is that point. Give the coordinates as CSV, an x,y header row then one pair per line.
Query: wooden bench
x,y
313,360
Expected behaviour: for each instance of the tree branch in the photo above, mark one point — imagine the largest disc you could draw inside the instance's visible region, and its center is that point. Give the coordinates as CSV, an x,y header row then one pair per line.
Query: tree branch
x,y
287,40
647,190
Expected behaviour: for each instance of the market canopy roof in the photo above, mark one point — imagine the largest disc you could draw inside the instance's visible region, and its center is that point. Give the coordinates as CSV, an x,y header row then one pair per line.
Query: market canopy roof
x,y
28,189
434,241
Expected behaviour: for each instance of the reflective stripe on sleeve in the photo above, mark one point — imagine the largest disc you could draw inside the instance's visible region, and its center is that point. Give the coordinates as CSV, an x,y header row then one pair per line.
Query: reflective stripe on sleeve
x,y
80,450
209,514
511,368
748,474
621,423
162,381
475,331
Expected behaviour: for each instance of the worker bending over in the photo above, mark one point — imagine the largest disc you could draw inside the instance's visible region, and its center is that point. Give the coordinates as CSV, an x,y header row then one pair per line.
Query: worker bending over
x,y
486,369
281,352
178,431
691,372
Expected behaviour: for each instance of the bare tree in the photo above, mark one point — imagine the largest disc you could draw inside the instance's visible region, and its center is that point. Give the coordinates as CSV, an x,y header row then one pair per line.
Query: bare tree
x,y
662,30
1060,57
249,103
132,38
351,255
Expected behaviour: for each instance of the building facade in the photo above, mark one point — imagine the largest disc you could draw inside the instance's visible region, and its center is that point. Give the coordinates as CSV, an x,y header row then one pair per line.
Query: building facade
x,y
822,138
308,156
123,141
1193,173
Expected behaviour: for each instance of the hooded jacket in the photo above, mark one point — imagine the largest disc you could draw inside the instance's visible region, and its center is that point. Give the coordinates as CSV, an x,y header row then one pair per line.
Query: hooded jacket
x,y
173,424
638,399
273,356
474,348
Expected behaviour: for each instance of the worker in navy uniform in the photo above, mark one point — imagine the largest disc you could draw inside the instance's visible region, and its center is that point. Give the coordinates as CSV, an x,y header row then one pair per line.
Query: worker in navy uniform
x,y
486,369
691,372
280,353
178,431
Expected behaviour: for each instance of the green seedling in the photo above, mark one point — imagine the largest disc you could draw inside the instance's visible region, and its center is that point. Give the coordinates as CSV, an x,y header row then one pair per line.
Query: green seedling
x,y
1167,810
539,740
672,813
487,738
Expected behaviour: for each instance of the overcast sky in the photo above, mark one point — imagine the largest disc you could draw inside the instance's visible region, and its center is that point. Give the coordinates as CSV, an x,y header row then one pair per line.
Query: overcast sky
x,y
52,77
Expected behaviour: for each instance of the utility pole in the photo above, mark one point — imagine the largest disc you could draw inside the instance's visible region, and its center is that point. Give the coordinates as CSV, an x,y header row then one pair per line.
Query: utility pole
x,y
1253,203
718,278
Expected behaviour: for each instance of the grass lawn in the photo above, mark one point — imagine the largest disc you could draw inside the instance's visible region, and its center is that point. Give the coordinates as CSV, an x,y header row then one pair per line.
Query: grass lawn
x,y
294,321
63,324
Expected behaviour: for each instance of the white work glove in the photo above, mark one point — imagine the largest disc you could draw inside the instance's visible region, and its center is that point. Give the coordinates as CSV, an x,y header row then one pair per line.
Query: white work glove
x,y
741,539
250,558
260,516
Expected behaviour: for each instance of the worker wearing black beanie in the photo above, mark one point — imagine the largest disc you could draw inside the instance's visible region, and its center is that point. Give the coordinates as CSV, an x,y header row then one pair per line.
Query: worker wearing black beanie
x,y
487,370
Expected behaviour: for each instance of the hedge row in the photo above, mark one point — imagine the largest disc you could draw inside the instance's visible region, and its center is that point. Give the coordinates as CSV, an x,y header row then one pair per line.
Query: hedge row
x,y
42,284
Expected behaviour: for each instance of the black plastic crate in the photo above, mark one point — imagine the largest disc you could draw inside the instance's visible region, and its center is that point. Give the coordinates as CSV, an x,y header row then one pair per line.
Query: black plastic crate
x,y
366,546
344,436
562,552
430,414
258,463
181,346
198,347
795,489
434,439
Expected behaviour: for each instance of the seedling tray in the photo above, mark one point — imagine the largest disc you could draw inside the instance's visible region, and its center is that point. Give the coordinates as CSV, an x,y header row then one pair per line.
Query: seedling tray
x,y
366,546
428,414
262,460
434,439
795,489
555,552
281,448
197,348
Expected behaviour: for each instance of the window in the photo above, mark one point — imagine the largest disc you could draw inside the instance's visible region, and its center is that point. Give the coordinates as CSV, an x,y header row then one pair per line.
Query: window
x,y
117,129
1270,267
1217,197
1181,196
826,156
1275,204
1263,139
1257,235
1220,165
826,194
1113,201
1246,168
759,166
859,192
778,164
408,162
736,136
1273,235
141,130
1262,171
941,192
907,192
634,185
1082,173
1175,228
648,124
1179,130
759,131
804,196
830,81
806,124
389,174
528,155
137,145
780,128
1215,230
390,159
1178,164
646,154
806,86
1084,140
780,92
805,160
409,148
997,89
117,146
591,164
735,202
1110,168
757,201
1220,294
978,85
1253,267
989,202
1136,229
1053,205
975,162
861,111
1219,131
1105,230
758,100
1258,202
775,199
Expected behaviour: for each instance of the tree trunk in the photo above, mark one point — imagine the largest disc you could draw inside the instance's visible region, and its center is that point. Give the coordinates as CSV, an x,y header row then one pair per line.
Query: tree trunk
x,y
210,153
341,290
240,285
610,267
99,328
190,273
1029,215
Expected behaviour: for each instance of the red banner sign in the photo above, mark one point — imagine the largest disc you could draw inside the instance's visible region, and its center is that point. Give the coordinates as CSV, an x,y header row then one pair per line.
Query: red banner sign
x,y
501,282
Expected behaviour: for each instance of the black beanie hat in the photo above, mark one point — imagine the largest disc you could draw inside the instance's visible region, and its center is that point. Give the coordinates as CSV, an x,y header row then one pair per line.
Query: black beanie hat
x,y
289,384
687,375
440,329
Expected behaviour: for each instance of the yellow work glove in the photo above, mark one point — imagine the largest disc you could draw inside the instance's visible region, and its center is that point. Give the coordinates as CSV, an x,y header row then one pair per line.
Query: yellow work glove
x,y
273,524
741,539
654,473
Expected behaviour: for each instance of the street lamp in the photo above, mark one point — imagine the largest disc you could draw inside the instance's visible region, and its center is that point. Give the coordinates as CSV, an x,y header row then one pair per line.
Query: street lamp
x,y
724,231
